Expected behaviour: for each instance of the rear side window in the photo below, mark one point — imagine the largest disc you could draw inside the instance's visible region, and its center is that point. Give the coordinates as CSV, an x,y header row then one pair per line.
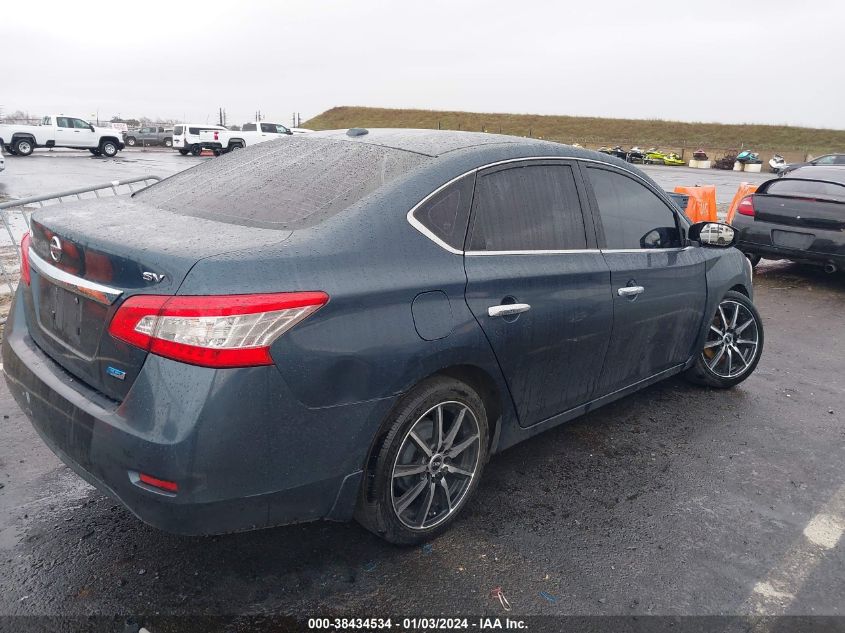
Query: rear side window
x,y
292,185
177,130
807,188
446,213
528,208
63,121
249,127
632,216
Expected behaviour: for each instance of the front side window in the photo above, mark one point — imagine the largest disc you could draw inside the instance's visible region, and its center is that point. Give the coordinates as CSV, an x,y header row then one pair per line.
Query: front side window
x,y
529,208
632,216
825,160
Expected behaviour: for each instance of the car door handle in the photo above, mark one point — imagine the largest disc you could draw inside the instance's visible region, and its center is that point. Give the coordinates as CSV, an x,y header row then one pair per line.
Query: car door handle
x,y
630,291
508,309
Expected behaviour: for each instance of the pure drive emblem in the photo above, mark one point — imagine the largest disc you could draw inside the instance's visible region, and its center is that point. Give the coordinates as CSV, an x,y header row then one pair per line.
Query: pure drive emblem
x,y
55,248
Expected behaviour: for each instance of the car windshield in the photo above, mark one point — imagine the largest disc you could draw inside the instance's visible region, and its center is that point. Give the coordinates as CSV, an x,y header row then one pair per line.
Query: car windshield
x,y
290,184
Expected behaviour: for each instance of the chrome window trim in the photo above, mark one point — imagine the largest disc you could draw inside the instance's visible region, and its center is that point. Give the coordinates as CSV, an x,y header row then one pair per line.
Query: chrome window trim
x,y
77,285
419,226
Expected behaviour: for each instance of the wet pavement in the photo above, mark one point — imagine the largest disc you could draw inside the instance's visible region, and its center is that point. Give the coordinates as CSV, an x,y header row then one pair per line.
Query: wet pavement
x,y
675,500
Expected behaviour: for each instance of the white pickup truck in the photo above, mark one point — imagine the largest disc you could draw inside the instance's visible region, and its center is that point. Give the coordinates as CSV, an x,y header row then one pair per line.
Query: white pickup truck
x,y
58,130
222,141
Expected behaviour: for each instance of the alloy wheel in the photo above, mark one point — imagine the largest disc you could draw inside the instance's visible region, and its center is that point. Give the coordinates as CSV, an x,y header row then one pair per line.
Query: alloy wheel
x,y
732,341
435,465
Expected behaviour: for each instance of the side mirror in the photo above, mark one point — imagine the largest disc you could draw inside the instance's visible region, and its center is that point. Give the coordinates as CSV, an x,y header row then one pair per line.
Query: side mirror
x,y
90,127
713,234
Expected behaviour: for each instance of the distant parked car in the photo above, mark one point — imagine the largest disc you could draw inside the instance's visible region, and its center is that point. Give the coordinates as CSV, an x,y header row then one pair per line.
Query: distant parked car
x,y
150,135
800,217
186,137
827,159
222,141
2,162
59,130
338,325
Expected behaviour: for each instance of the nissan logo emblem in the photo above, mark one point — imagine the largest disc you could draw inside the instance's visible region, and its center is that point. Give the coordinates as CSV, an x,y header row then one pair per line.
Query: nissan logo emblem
x,y
56,248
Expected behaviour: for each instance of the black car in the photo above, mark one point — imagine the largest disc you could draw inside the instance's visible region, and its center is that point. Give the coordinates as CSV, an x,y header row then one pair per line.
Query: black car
x,y
821,161
800,217
349,324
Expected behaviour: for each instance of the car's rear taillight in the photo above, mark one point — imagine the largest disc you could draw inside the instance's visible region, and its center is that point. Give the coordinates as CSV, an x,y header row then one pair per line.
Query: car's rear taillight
x,y
212,331
217,136
746,207
26,277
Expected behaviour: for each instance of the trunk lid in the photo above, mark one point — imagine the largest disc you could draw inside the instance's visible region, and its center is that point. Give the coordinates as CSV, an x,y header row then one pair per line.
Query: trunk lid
x,y
88,257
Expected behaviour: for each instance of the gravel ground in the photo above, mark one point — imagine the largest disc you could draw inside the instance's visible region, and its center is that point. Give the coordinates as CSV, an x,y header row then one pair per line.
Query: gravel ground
x,y
677,500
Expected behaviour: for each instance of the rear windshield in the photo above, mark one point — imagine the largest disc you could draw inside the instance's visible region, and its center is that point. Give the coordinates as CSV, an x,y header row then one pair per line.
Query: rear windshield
x,y
287,184
807,188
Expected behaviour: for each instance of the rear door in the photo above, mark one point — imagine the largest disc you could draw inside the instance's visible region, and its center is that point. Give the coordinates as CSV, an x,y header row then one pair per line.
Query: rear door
x,y
537,285
658,285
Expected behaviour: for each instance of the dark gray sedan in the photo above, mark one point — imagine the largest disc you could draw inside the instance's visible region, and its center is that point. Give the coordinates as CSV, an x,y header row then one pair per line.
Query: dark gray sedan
x,y
350,323
800,217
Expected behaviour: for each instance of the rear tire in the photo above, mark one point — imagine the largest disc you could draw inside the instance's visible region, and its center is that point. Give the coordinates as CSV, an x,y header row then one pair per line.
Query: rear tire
x,y
235,146
9,150
184,152
130,141
443,463
196,150
168,142
108,149
733,345
23,147
96,152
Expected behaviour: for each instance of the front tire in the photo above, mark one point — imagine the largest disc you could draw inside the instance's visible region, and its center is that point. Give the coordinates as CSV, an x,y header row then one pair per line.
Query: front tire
x,y
733,345
428,464
23,147
754,258
108,149
130,141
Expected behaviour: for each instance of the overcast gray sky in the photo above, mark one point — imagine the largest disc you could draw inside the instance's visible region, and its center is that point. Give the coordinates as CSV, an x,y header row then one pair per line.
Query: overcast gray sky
x,y
776,61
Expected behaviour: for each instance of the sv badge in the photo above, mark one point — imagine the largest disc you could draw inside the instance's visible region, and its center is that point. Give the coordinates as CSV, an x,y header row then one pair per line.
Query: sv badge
x,y
154,277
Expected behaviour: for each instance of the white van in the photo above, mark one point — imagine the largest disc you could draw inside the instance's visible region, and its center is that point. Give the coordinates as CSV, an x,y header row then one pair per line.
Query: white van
x,y
186,137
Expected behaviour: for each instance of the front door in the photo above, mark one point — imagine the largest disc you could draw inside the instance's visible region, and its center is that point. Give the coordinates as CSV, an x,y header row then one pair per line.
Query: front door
x,y
83,135
658,284
537,285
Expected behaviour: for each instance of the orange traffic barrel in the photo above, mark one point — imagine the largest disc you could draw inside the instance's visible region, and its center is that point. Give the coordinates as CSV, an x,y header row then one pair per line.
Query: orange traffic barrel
x,y
745,189
702,202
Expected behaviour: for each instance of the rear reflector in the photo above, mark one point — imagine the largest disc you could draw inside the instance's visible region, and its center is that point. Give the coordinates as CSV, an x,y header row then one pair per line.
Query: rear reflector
x,y
746,207
212,331
26,276
155,482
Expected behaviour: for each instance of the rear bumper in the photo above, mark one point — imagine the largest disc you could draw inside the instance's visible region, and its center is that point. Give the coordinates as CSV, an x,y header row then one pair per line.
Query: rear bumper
x,y
244,452
755,237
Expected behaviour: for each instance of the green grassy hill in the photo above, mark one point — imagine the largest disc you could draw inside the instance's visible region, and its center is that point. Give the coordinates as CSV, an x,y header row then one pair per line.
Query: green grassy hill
x,y
593,131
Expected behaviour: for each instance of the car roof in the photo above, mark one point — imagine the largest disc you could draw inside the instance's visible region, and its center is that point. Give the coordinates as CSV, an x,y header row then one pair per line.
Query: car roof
x,y
432,143
834,173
